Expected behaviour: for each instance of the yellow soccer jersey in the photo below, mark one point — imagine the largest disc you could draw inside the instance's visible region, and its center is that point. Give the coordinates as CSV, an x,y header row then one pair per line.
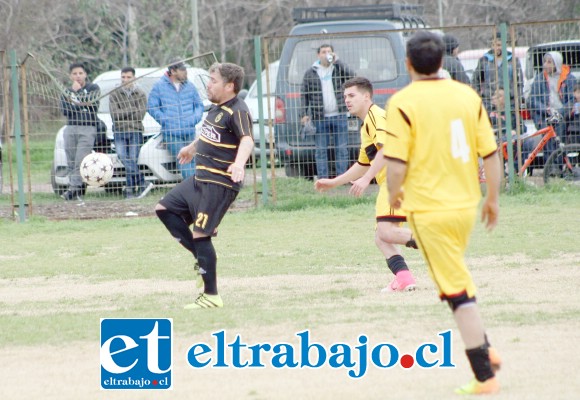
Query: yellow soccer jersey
x,y
439,128
372,138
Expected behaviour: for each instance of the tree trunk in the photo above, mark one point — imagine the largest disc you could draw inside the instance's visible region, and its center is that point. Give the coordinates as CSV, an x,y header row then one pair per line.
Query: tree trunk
x,y
133,36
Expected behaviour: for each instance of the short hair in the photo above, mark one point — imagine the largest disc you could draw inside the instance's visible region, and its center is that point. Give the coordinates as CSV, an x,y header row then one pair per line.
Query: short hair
x,y
128,69
231,73
77,65
425,51
323,46
360,82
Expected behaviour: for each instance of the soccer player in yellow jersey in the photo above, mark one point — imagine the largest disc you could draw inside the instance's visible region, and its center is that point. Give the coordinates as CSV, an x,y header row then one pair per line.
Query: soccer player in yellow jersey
x,y
436,129
358,94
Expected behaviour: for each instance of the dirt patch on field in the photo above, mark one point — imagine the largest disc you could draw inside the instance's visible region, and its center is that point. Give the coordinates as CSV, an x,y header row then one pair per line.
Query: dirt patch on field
x,y
531,314
98,209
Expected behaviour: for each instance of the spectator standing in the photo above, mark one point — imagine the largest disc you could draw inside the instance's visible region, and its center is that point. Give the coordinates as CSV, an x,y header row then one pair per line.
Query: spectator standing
x,y
322,103
128,106
552,93
79,104
488,75
450,61
176,105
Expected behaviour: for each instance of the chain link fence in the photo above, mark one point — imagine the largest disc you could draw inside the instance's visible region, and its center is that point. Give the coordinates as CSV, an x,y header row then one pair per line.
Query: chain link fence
x,y
300,141
510,95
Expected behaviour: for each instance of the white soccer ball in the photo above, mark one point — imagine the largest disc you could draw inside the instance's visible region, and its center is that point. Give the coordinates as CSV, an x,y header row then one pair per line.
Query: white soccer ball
x,y
96,169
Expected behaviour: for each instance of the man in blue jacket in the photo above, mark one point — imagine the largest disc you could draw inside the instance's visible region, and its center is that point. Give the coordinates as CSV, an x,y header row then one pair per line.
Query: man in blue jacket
x,y
176,105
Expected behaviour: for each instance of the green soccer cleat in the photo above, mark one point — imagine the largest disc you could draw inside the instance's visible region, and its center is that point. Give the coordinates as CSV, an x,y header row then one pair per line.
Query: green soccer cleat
x,y
490,386
206,301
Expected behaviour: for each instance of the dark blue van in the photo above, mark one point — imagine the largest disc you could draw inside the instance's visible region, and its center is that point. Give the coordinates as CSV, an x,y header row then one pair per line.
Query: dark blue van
x,y
369,39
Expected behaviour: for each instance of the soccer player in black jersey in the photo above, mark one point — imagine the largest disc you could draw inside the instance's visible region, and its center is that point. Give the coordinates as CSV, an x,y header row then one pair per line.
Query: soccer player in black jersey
x,y
221,153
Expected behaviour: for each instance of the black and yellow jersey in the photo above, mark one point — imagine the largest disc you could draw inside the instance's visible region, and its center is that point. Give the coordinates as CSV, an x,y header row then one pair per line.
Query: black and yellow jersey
x,y
372,139
218,143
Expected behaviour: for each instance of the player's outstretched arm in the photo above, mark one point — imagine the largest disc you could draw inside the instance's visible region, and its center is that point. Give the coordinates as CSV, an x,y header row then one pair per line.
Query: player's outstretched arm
x,y
186,153
360,185
354,172
490,208
238,168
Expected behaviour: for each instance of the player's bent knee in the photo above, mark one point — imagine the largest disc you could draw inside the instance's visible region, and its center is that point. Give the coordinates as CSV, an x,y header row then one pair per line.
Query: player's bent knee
x,y
457,301
385,234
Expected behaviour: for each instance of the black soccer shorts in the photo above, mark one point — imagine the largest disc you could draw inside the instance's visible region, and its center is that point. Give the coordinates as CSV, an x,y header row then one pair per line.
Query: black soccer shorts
x,y
202,204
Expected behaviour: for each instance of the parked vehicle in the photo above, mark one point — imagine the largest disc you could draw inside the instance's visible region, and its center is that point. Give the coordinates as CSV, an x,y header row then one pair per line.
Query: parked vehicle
x,y
268,104
377,52
154,160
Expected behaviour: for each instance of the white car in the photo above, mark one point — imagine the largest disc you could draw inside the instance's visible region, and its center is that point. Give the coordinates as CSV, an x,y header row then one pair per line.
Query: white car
x,y
252,100
154,160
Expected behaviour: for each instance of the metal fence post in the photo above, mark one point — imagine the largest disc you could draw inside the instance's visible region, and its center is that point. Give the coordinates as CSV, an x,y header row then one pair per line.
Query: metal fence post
x,y
263,159
17,135
507,105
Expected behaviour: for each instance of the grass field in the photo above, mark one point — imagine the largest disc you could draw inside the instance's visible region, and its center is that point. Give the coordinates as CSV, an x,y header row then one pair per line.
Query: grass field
x,y
281,272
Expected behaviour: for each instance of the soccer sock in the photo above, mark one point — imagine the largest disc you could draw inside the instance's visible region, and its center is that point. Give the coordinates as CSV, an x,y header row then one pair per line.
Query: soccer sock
x,y
207,264
396,264
178,229
472,332
480,364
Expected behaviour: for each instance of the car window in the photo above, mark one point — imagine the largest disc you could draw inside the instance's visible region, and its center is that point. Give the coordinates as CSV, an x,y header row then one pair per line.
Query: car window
x,y
369,56
146,84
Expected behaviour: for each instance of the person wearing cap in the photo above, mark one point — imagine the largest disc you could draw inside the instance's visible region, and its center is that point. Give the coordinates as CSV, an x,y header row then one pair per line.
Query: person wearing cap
x,y
488,74
176,105
552,93
450,61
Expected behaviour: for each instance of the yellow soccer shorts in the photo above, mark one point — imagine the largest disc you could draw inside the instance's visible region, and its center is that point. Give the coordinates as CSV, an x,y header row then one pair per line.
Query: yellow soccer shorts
x,y
383,210
442,237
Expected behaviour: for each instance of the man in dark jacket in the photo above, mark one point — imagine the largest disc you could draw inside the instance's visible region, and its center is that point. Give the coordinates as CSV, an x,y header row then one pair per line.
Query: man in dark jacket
x,y
323,103
450,61
79,104
488,72
128,106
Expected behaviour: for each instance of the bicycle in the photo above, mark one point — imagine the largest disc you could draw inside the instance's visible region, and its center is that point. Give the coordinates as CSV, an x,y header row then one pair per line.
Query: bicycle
x,y
563,163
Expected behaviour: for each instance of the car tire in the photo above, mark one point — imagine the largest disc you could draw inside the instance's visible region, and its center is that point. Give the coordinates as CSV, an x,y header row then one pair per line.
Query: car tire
x,y
300,170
